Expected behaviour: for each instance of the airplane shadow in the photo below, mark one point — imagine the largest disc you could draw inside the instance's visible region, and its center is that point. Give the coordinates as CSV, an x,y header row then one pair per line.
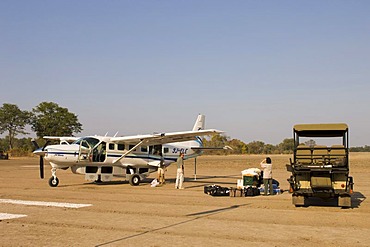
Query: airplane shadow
x,y
200,179
201,182
198,215
117,182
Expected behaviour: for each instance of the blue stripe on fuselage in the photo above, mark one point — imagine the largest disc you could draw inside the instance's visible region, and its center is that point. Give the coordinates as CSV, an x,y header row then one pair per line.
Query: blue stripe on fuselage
x,y
133,156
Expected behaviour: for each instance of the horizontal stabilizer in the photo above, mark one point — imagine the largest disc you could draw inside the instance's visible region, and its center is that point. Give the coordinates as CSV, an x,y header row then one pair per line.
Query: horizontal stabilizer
x,y
213,148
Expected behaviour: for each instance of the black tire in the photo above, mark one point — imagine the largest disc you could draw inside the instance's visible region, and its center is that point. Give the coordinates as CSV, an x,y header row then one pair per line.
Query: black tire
x,y
53,182
134,180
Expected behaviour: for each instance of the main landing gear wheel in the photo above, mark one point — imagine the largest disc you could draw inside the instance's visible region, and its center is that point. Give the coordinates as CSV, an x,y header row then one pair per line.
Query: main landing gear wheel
x,y
53,181
134,180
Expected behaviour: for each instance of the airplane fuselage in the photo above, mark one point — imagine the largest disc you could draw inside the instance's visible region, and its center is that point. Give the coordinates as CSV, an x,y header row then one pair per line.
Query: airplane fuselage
x,y
102,157
102,161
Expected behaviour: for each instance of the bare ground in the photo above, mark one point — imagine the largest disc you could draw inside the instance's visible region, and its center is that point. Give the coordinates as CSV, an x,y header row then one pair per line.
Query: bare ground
x,y
122,215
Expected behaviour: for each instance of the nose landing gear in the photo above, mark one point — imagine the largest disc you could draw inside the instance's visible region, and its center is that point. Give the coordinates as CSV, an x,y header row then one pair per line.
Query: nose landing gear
x,y
53,181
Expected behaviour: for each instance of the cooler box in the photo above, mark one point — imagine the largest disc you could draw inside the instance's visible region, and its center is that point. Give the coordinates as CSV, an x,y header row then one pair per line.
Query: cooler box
x,y
250,180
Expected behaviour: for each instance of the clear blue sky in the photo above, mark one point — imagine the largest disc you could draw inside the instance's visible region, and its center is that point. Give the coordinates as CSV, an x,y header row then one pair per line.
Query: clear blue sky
x,y
254,68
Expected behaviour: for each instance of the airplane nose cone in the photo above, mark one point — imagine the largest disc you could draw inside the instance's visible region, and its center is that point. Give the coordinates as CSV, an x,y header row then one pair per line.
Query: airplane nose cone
x,y
39,152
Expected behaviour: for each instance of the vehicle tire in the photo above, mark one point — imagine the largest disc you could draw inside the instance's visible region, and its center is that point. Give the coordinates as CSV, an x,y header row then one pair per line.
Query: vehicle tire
x,y
53,182
298,200
134,180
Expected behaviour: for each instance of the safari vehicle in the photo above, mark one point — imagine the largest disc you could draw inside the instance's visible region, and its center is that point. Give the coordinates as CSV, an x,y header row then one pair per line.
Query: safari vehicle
x,y
317,170
3,155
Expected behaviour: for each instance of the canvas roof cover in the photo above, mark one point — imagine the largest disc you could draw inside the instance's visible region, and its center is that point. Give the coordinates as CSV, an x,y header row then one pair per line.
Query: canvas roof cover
x,y
321,130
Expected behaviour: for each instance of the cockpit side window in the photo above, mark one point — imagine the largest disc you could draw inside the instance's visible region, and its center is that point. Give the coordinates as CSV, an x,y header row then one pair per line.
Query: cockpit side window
x,y
87,142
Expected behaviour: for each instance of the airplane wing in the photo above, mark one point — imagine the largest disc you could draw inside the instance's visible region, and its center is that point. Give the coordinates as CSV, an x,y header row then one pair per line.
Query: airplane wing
x,y
163,138
62,138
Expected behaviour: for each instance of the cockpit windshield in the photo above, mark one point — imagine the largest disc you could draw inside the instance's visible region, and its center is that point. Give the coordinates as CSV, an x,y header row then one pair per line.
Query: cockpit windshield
x,y
87,142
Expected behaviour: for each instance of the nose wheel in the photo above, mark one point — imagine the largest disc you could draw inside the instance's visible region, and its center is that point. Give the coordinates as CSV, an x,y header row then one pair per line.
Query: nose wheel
x,y
53,181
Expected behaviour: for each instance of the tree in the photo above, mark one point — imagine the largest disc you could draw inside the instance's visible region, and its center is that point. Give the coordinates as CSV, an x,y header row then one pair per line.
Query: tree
x,y
286,146
238,147
217,141
269,149
310,143
13,120
51,119
256,147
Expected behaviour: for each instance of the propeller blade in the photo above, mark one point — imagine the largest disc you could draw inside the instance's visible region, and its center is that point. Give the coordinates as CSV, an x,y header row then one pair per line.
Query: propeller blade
x,y
47,143
35,144
41,167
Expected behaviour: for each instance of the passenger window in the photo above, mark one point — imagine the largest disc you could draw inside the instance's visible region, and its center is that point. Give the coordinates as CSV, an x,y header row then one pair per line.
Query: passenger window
x,y
121,146
165,150
144,149
111,146
130,147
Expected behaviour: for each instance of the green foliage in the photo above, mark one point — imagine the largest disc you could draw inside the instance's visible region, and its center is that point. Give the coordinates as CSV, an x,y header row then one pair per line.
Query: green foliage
x,y
52,120
366,148
256,147
310,143
21,147
286,146
13,120
215,141
46,119
4,145
239,147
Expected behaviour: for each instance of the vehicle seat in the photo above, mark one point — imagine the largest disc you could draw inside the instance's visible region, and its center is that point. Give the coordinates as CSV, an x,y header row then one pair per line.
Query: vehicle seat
x,y
303,154
320,153
338,155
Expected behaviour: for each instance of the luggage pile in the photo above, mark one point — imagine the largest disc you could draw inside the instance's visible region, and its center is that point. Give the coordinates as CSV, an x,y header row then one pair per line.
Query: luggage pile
x,y
244,192
216,190
251,184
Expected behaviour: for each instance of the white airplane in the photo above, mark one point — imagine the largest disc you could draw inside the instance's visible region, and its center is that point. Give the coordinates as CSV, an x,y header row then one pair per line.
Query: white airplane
x,y
134,157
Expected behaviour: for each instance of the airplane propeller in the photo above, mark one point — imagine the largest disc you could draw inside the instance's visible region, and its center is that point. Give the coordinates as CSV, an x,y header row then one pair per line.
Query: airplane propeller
x,y
41,167
41,153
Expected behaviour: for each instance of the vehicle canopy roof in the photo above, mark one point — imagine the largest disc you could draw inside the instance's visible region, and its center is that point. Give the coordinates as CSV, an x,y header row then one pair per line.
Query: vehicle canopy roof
x,y
321,130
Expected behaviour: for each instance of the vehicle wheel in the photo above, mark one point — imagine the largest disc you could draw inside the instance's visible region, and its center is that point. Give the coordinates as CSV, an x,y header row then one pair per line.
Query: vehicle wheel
x,y
53,182
298,201
134,180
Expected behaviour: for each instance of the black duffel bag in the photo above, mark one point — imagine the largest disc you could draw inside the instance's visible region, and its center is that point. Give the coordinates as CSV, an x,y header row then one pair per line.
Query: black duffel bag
x,y
216,190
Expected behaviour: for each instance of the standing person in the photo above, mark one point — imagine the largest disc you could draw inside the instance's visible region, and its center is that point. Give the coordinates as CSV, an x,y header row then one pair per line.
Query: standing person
x,y
180,171
267,175
161,170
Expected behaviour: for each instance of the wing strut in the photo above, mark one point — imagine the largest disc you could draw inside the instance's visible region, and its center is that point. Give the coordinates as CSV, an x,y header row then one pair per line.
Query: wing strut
x,y
128,152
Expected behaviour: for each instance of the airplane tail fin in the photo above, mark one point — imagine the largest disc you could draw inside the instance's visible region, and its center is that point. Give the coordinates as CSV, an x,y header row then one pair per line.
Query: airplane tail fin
x,y
199,123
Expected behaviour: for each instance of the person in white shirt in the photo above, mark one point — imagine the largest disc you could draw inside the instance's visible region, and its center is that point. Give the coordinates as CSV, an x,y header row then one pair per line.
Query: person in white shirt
x,y
267,175
180,172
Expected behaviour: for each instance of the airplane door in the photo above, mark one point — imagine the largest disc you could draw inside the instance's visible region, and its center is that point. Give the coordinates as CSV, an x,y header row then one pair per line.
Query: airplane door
x,y
156,150
155,153
100,152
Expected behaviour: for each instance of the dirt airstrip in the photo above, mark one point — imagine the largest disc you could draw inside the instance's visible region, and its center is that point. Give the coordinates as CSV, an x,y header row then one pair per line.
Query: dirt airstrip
x,y
122,215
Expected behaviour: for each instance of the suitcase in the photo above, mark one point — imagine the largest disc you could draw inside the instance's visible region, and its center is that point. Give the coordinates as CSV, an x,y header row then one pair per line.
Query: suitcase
x,y
235,192
251,191
216,190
